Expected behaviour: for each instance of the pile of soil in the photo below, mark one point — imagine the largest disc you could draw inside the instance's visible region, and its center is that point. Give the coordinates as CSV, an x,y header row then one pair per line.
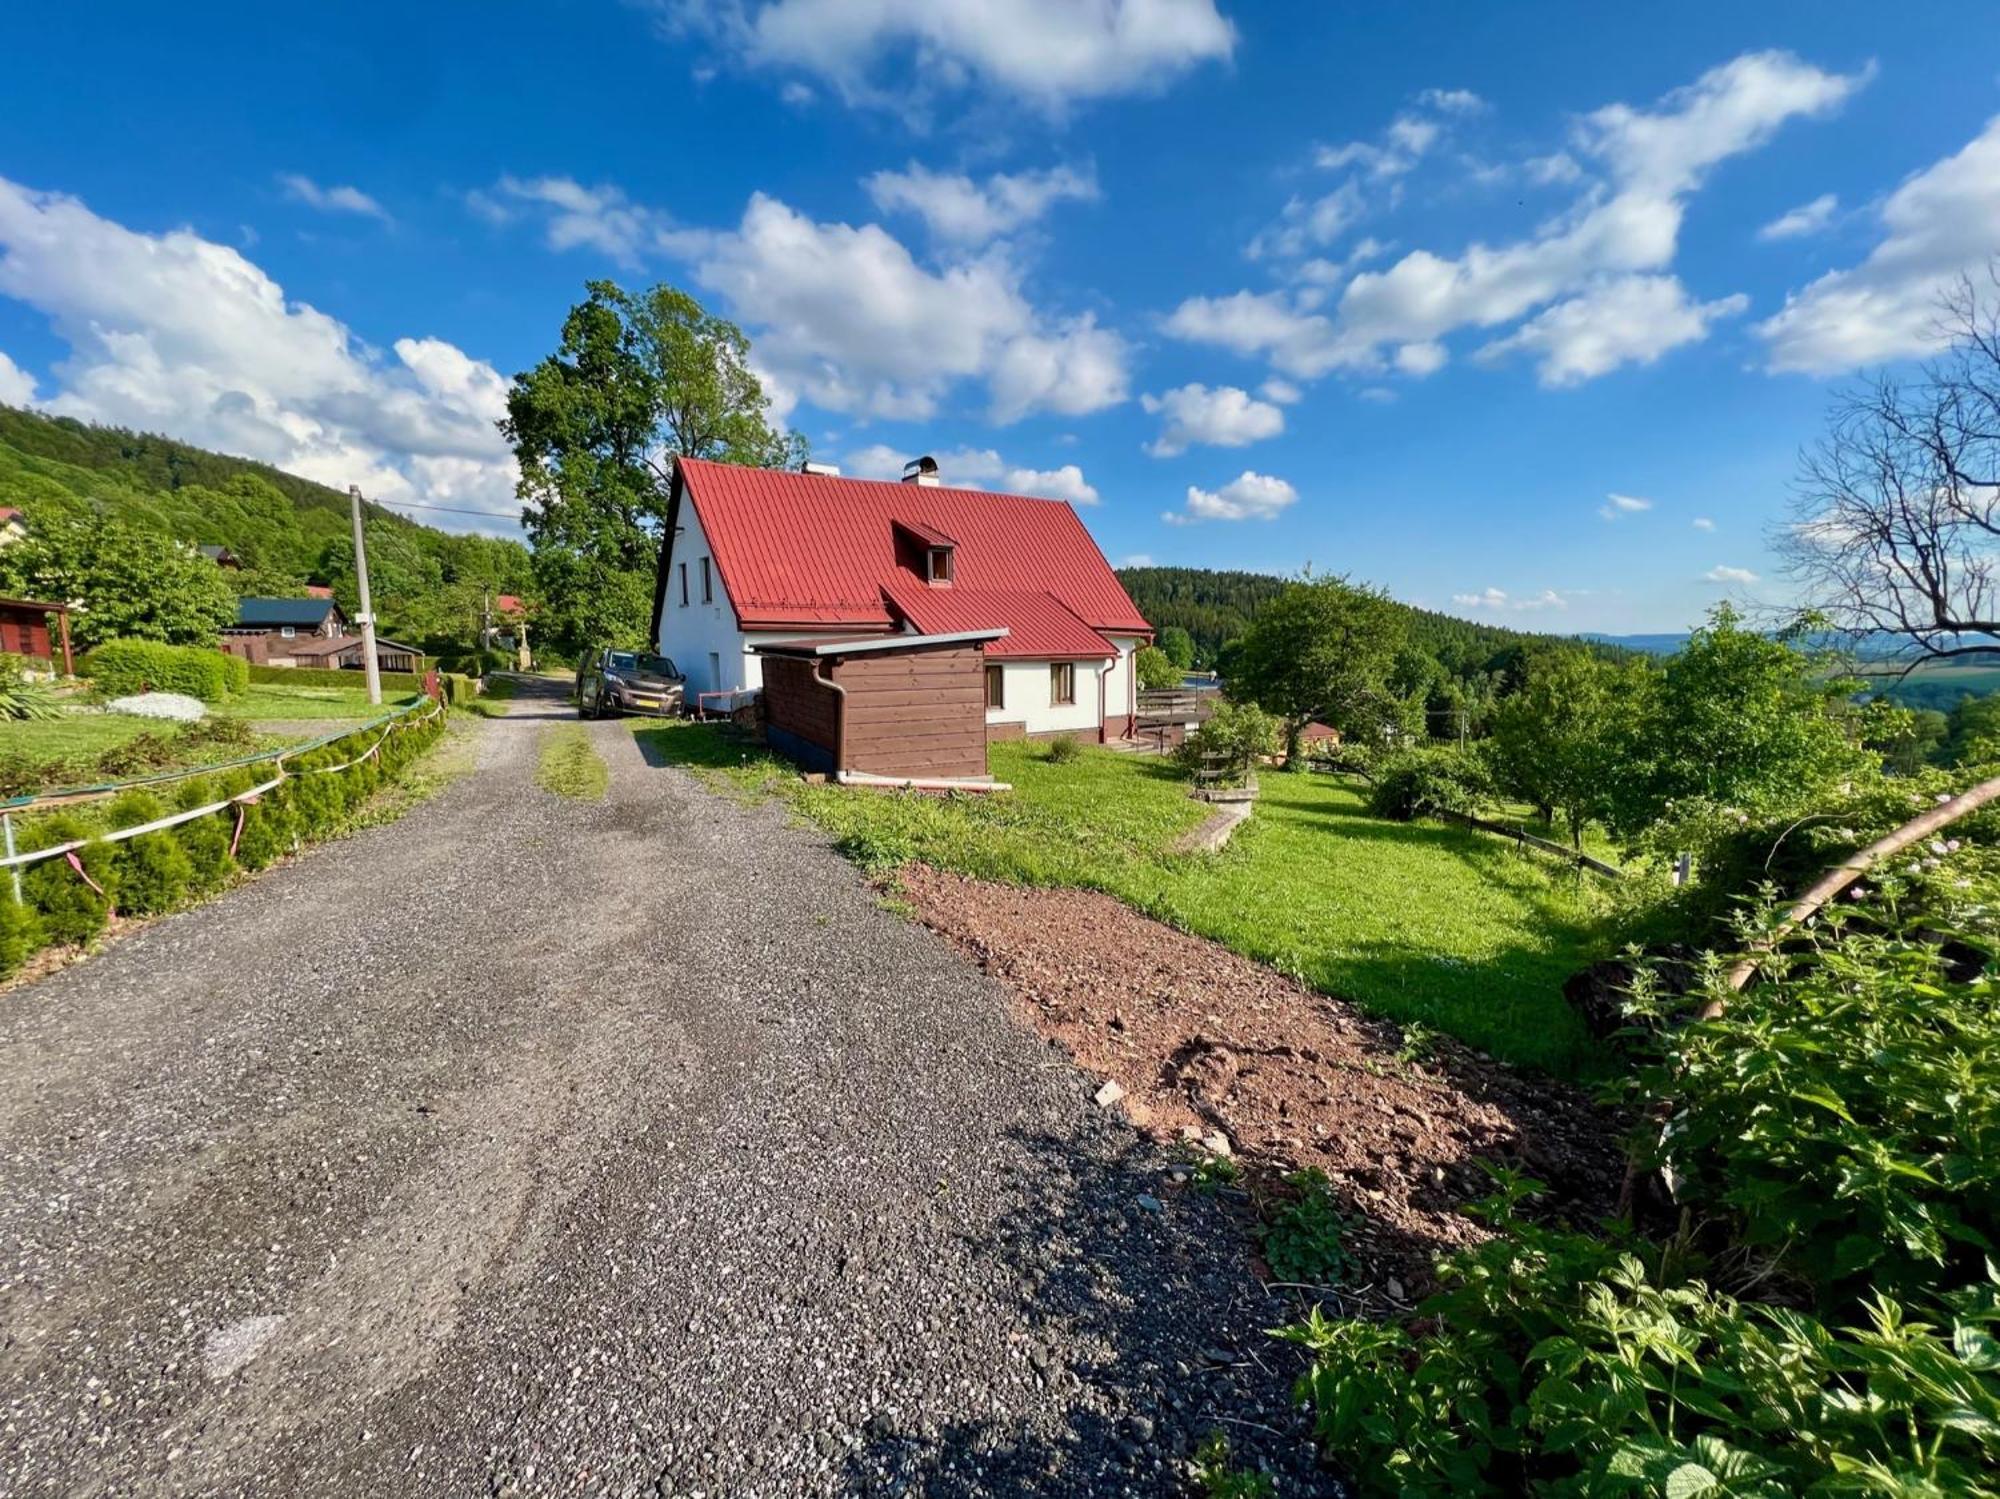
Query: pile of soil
x,y
1203,1040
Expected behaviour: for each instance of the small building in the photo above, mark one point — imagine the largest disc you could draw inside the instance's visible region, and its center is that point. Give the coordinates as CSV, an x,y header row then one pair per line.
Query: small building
x,y
880,708
763,557
269,631
221,556
344,653
13,525
24,630
318,591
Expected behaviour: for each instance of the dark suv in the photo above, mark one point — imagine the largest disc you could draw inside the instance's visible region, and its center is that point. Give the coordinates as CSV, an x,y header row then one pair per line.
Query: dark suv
x,y
612,681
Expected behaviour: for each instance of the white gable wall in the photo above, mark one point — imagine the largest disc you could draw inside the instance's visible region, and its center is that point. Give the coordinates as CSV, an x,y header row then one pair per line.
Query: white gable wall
x,y
1026,687
702,639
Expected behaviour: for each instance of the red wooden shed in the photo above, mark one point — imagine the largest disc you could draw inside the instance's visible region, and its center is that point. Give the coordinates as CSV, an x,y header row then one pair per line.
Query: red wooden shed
x,y
24,630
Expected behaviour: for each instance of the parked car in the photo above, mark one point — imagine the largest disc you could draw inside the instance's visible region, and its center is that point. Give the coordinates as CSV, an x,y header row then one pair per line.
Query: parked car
x,y
613,681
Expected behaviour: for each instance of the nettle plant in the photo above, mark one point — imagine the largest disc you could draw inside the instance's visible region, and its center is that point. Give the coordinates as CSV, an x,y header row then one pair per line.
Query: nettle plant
x,y
1825,1316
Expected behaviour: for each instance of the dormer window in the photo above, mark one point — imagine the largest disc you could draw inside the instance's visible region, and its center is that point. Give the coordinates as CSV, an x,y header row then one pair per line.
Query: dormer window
x,y
938,565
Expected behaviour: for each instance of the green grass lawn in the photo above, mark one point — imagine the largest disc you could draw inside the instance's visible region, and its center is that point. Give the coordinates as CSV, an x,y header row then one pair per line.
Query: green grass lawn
x,y
1415,921
266,701
71,738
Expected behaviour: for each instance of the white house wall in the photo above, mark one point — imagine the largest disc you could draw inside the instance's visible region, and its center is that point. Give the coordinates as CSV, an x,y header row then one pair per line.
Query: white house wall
x,y
1025,686
703,639
1120,687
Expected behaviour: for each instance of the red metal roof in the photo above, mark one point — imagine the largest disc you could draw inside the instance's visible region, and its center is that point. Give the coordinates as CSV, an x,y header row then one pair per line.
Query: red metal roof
x,y
508,603
1037,624
812,549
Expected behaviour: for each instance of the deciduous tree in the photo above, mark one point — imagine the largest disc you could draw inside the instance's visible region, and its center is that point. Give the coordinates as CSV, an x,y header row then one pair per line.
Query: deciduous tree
x,y
128,583
1324,650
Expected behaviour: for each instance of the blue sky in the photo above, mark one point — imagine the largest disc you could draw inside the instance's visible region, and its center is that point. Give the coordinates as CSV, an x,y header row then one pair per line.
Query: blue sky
x,y
1523,312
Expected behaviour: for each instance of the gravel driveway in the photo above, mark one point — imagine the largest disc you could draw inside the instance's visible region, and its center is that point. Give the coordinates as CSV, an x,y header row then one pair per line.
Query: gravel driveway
x,y
530,1146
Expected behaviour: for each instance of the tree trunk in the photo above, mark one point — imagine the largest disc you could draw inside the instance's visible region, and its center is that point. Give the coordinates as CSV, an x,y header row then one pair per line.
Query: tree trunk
x,y
1295,742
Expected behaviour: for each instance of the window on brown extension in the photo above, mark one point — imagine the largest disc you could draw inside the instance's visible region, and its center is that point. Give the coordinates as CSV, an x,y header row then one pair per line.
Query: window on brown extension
x,y
996,687
684,585
1062,683
707,583
940,564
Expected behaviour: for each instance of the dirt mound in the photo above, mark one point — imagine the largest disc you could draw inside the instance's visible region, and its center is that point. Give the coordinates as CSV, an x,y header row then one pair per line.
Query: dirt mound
x,y
1202,1040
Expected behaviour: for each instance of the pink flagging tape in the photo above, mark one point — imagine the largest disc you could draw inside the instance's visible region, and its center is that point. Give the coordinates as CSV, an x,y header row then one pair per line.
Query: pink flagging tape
x,y
242,811
82,873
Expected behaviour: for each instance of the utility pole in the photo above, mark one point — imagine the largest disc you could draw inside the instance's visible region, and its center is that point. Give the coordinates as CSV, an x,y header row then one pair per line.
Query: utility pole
x,y
367,610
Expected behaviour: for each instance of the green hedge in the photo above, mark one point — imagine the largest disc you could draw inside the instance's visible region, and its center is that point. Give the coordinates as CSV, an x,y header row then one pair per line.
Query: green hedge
x,y
118,668
162,871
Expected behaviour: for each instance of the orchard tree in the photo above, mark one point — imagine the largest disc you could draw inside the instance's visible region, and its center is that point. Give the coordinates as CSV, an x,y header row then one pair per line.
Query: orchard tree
x,y
1559,741
1179,646
1155,668
1742,720
1324,649
126,583
636,381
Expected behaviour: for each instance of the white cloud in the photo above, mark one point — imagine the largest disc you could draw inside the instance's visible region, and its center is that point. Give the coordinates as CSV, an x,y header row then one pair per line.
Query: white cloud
x,y
977,468
1624,320
1938,225
1224,417
1306,224
579,217
1624,224
1138,559
331,199
17,386
1616,505
1558,169
1421,359
1458,101
1249,496
847,318
1807,218
1404,143
1703,523
902,53
175,333
957,209
1726,575
1282,391
1499,598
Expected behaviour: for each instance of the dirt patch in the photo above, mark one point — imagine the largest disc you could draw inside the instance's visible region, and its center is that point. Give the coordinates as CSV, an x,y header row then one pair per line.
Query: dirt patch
x,y
1202,1039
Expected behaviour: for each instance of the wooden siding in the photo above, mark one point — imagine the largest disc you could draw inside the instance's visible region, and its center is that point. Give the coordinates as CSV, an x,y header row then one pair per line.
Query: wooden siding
x,y
797,706
24,632
916,712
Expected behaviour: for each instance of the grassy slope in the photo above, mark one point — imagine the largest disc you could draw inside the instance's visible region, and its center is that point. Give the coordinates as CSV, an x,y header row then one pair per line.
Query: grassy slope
x,y
1415,921
272,701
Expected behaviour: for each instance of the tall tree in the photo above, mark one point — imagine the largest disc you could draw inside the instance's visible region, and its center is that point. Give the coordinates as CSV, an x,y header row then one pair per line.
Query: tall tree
x,y
1324,650
1896,534
1557,742
127,583
1179,646
635,382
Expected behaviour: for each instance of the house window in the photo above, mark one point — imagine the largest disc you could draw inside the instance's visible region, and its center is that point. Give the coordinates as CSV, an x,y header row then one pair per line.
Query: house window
x,y
996,687
288,632
1062,683
684,585
940,564
707,583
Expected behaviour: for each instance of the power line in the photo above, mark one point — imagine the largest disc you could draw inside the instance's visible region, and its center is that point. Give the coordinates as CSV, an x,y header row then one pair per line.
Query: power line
x,y
447,509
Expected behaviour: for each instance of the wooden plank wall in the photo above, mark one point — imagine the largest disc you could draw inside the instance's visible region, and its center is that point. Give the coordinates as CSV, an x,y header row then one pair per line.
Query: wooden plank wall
x,y
796,704
919,712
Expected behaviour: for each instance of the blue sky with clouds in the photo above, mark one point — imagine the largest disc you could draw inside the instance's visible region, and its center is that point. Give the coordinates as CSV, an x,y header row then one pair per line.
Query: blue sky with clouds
x,y
1522,311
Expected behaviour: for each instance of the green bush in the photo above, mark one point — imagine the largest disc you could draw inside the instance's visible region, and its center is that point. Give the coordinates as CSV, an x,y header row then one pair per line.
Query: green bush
x,y
70,910
1302,1235
205,840
1242,732
1062,749
394,683
267,822
153,872
236,673
20,932
119,668
1566,1364
1430,782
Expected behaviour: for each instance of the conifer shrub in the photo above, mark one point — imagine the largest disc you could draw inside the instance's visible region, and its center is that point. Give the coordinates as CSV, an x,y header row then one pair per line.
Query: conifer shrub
x,y
70,910
20,932
205,840
153,871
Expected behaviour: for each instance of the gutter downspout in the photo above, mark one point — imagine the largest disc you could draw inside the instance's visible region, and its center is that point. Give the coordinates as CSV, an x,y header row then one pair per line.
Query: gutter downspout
x,y
839,717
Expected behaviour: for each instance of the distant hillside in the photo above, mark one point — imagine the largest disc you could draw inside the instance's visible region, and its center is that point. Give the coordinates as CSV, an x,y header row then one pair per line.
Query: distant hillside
x,y
288,531
1217,607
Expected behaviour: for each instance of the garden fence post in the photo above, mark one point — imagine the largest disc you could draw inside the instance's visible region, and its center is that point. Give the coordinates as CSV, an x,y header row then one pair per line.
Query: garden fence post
x,y
7,821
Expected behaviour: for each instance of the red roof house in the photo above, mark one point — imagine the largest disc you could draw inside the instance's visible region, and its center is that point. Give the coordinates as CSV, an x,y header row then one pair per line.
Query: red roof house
x,y
757,556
